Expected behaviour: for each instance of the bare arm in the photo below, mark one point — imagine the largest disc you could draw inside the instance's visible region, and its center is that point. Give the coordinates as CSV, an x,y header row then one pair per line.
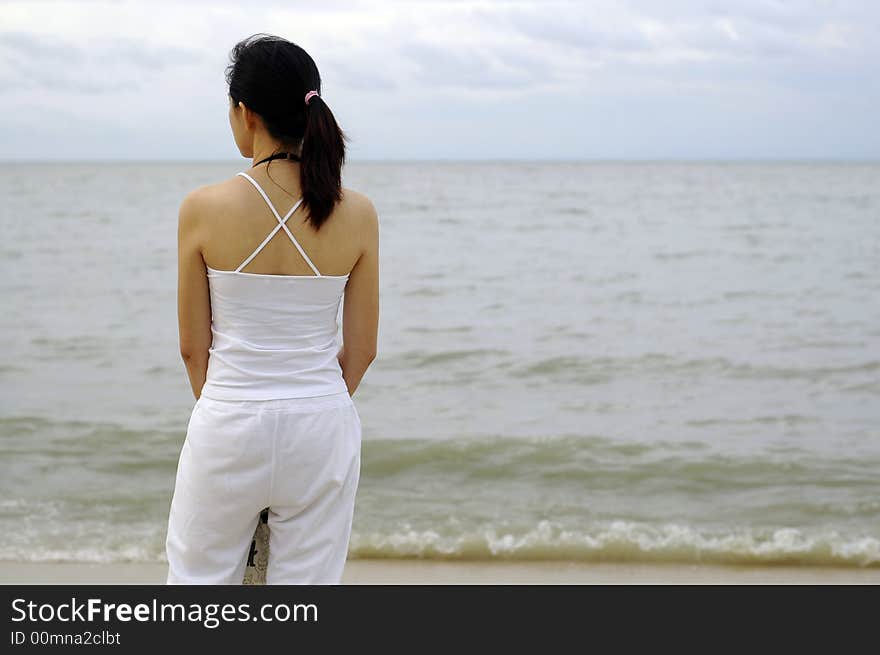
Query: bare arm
x,y
193,295
360,309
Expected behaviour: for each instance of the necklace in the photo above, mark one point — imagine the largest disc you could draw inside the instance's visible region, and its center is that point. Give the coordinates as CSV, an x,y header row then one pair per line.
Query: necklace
x,y
279,155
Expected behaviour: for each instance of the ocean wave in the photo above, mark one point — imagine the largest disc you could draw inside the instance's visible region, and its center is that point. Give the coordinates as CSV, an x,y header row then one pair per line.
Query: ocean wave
x,y
601,369
613,541
624,541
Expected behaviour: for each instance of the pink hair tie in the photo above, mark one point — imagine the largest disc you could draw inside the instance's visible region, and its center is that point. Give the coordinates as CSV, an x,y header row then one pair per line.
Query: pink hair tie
x,y
310,94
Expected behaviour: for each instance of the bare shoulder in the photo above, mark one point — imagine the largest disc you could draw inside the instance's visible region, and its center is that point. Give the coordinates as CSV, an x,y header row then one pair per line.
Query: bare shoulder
x,y
360,206
206,200
192,209
205,195
217,193
220,197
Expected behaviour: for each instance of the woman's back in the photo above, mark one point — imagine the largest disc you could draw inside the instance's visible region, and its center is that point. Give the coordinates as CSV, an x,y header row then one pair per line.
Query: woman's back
x,y
240,219
274,309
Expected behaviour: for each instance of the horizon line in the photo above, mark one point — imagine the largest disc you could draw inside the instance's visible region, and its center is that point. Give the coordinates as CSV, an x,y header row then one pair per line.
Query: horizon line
x,y
403,160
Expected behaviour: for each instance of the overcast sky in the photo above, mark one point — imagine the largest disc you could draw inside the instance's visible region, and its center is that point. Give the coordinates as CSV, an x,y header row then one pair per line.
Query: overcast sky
x,y
630,79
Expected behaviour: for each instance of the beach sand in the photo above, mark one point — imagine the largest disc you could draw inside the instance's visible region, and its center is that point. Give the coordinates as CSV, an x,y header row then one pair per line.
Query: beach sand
x,y
383,571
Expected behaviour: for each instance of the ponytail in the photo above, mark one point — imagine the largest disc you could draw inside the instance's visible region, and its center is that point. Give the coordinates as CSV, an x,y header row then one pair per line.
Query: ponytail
x,y
269,74
322,157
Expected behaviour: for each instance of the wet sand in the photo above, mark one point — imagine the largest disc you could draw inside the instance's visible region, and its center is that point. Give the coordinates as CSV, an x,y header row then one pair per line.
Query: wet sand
x,y
383,571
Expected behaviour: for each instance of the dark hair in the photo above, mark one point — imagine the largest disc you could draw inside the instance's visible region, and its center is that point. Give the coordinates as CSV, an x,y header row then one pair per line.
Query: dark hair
x,y
271,76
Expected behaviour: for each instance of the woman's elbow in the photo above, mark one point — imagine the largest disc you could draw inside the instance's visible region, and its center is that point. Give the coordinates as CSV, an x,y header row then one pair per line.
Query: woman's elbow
x,y
363,356
191,353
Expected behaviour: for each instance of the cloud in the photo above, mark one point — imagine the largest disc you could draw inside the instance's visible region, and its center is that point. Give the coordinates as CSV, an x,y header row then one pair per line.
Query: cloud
x,y
467,67
389,69
107,65
346,74
675,30
575,25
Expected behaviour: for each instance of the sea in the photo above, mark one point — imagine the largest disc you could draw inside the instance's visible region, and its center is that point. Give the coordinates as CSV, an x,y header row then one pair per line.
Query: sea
x,y
642,361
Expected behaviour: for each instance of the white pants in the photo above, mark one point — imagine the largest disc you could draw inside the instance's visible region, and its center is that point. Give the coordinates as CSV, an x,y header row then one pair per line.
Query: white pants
x,y
300,457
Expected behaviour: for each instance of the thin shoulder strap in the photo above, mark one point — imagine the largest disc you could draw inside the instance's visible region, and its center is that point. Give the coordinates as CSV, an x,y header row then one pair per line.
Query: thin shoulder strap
x,y
282,224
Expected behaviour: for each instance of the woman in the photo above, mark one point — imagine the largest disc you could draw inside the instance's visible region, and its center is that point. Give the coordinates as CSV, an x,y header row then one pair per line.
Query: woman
x,y
264,261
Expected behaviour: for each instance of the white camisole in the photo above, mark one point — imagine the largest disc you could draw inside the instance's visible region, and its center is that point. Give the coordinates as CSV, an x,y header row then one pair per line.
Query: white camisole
x,y
274,336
